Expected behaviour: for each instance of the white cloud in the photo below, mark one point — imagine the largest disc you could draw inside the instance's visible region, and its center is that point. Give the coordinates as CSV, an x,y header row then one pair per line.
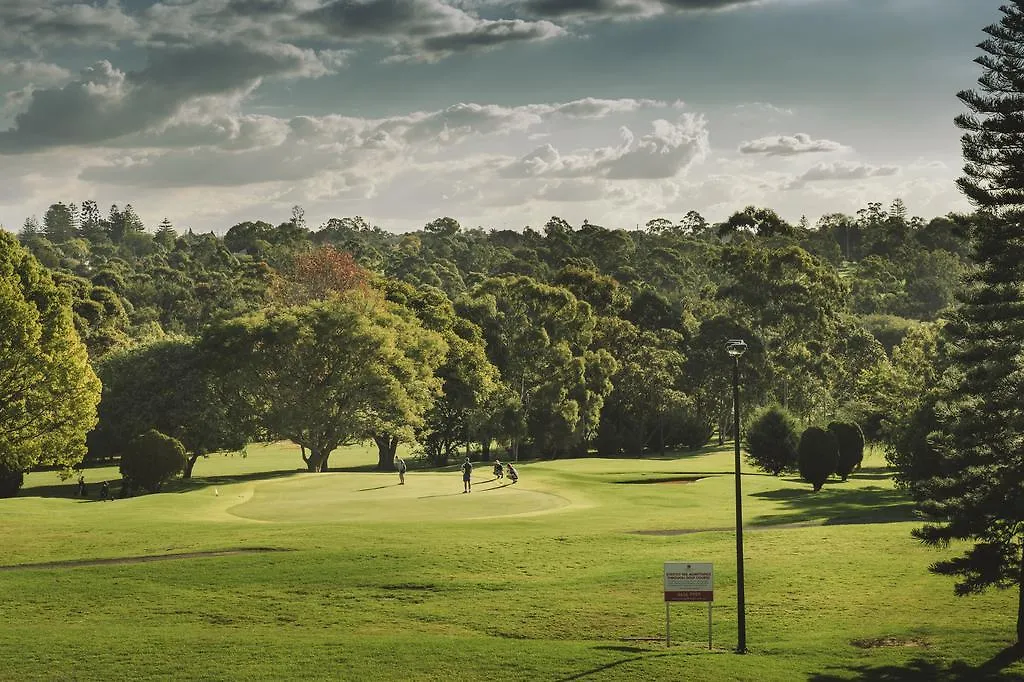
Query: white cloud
x,y
789,145
22,72
761,109
841,170
663,153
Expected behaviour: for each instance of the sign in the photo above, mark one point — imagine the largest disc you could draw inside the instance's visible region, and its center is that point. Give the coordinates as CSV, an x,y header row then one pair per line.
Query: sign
x,y
689,582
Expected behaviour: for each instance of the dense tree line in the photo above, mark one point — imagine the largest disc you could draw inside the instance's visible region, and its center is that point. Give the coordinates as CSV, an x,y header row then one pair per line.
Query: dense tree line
x,y
551,342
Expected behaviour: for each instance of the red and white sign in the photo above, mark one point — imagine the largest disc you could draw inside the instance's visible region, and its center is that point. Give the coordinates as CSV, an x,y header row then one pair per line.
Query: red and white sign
x,y
689,581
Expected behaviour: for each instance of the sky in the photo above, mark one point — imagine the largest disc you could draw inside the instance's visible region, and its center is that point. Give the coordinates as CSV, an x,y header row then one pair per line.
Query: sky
x,y
498,114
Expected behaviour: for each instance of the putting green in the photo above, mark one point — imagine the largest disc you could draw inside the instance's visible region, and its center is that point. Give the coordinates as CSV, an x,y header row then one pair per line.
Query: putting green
x,y
350,497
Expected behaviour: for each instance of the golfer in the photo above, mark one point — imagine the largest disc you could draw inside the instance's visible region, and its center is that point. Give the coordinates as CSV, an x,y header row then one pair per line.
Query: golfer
x,y
467,475
400,465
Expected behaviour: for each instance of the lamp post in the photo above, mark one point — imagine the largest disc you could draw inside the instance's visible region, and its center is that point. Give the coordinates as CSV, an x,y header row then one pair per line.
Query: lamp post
x,y
735,348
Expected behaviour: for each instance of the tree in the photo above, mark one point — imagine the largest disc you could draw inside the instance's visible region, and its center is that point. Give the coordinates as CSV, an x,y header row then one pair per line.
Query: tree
x,y
978,493
329,373
59,223
539,338
165,234
151,459
169,385
817,455
771,441
48,391
317,274
851,447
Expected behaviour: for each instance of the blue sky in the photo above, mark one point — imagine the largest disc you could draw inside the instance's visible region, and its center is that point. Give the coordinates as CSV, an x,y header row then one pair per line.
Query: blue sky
x,y
499,114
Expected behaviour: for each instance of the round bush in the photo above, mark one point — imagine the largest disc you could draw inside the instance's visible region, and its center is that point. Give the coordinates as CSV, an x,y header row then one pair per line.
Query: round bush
x,y
771,441
152,459
10,481
851,446
818,455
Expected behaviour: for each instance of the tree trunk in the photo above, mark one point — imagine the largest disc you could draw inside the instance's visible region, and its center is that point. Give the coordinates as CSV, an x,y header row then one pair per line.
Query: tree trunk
x,y
1020,605
317,461
485,449
189,464
387,446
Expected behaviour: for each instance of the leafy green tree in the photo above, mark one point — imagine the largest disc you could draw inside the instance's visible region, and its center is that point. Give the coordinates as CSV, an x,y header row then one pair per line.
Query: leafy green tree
x,y
643,409
152,459
330,373
851,447
59,223
772,439
978,493
169,385
817,456
539,338
48,391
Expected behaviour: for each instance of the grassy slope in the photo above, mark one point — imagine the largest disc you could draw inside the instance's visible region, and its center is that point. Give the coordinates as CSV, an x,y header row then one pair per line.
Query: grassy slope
x,y
544,580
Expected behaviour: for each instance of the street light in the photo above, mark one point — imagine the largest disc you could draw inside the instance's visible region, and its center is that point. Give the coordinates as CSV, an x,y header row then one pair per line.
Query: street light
x,y
736,348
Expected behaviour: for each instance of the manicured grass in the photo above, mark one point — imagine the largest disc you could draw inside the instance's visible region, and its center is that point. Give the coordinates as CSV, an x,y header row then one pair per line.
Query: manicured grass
x,y
555,578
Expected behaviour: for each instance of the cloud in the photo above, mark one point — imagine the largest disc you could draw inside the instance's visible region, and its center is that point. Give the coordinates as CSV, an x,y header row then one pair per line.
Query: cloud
x,y
424,30
760,109
789,145
592,108
606,9
840,170
105,103
204,145
663,153
625,9
31,72
35,23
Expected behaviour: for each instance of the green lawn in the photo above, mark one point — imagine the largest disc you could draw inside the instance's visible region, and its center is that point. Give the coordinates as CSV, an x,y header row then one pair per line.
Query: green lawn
x,y
555,578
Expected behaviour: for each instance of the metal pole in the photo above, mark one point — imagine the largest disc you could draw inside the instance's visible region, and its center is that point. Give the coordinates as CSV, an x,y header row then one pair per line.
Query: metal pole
x,y
668,627
741,647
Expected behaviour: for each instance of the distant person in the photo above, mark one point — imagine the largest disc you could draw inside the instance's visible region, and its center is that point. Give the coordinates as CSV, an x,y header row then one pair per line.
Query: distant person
x,y
105,491
513,475
499,471
82,491
467,475
400,465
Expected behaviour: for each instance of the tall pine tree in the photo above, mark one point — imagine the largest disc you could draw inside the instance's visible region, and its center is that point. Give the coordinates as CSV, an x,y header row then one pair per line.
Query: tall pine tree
x,y
977,492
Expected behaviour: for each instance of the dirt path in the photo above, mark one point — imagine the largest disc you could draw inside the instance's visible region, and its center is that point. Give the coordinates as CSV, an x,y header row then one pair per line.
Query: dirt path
x,y
115,561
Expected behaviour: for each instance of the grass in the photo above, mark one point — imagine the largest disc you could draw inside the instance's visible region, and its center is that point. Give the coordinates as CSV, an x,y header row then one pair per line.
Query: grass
x,y
555,578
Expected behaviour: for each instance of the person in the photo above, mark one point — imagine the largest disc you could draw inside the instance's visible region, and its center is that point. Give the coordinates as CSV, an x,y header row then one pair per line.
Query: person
x,y
81,485
400,465
499,471
105,491
512,473
467,474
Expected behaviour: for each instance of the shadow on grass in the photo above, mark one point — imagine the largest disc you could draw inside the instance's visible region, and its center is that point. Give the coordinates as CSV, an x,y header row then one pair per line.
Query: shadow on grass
x,y
613,664
380,487
837,506
495,487
69,490
930,671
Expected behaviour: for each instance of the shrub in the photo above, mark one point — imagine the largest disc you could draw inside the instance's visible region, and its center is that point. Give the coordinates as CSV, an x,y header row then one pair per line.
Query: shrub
x,y
851,446
818,455
152,459
687,430
772,440
10,481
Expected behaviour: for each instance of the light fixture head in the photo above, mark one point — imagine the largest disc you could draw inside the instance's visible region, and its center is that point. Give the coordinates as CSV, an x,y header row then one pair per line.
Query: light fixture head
x,y
735,347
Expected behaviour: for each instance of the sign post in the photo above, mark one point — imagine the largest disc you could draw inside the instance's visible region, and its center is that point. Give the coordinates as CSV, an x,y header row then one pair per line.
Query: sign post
x,y
688,582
